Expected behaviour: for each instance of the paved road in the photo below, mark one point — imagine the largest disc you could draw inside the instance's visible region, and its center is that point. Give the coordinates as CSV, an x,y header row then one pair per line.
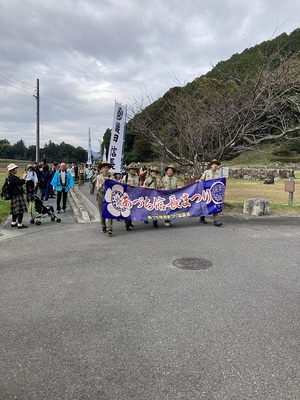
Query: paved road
x,y
87,316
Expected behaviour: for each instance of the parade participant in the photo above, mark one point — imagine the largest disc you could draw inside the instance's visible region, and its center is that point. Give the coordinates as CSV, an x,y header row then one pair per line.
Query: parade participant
x,y
17,205
62,181
170,181
132,179
117,176
81,172
106,223
93,180
211,173
143,175
153,182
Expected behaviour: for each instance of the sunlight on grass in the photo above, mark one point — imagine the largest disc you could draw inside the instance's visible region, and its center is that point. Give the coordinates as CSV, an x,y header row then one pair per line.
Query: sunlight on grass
x,y
239,190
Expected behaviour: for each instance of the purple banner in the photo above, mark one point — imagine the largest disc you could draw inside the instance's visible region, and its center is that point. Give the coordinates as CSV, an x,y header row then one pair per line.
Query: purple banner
x,y
122,201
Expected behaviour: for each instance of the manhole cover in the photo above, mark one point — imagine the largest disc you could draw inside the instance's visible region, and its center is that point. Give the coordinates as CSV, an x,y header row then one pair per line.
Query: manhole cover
x,y
192,263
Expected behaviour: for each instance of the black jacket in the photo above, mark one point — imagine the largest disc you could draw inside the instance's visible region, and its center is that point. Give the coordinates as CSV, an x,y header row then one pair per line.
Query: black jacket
x,y
16,185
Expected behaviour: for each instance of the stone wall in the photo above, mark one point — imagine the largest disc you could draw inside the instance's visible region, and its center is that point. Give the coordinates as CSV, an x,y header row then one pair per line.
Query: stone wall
x,y
261,174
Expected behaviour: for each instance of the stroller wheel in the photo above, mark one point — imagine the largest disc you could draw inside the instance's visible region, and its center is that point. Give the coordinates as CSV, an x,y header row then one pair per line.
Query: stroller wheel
x,y
52,219
38,222
32,221
58,220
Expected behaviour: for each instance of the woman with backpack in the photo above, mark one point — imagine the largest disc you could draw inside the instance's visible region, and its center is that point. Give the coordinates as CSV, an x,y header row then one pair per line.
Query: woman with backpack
x,y
18,204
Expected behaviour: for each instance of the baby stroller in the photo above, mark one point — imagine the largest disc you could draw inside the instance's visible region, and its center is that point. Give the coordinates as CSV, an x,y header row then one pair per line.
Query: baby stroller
x,y
38,210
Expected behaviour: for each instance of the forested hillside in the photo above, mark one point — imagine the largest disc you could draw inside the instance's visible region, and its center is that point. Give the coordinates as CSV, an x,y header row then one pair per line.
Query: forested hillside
x,y
250,100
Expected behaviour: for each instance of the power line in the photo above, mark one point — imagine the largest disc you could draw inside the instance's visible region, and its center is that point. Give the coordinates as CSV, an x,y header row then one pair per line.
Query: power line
x,y
15,87
33,87
70,108
17,80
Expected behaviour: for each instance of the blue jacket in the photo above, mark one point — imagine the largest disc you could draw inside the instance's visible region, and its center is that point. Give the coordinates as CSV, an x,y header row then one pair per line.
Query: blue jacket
x,y
56,182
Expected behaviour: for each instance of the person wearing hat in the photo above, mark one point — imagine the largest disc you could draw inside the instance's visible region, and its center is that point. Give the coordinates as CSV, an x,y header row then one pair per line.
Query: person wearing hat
x,y
143,175
17,205
170,181
209,174
93,180
153,182
106,223
131,178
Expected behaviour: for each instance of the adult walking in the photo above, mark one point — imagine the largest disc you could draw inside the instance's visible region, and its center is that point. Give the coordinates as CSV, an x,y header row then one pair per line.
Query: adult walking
x,y
62,182
18,204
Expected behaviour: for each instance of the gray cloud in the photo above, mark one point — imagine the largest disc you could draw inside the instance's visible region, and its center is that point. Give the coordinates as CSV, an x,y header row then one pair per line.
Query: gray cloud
x,y
87,54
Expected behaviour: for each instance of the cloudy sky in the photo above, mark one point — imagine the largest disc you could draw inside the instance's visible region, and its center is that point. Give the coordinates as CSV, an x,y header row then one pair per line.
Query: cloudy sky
x,y
89,53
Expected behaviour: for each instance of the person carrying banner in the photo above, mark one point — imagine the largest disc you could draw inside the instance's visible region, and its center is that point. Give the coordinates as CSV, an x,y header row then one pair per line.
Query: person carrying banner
x,y
209,174
170,181
153,182
131,178
106,223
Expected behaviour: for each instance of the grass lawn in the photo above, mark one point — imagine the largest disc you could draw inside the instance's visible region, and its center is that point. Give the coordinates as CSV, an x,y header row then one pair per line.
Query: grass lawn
x,y
238,190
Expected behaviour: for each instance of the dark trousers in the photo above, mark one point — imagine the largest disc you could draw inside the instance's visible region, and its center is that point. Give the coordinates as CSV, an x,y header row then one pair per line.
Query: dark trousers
x,y
17,218
61,194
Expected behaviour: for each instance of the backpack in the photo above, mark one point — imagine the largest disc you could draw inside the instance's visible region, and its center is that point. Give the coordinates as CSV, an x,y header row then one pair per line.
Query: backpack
x,y
6,190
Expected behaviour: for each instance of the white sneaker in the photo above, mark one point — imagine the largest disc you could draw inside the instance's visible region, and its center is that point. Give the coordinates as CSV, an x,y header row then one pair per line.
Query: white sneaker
x,y
167,223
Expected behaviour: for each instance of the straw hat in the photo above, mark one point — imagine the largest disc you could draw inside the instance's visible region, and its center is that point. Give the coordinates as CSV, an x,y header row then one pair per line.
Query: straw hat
x,y
215,161
172,166
133,166
154,169
11,166
105,163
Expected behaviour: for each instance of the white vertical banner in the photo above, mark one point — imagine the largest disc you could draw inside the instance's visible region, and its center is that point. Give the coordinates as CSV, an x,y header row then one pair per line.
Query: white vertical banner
x,y
89,161
117,137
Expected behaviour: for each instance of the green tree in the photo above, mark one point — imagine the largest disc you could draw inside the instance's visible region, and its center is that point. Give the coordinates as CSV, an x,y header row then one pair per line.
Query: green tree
x,y
5,149
19,150
226,114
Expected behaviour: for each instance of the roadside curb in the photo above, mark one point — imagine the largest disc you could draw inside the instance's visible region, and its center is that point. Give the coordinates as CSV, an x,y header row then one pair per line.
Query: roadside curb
x,y
84,210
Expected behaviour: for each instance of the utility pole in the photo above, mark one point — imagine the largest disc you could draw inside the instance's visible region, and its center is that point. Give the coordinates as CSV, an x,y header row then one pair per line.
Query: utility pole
x,y
37,145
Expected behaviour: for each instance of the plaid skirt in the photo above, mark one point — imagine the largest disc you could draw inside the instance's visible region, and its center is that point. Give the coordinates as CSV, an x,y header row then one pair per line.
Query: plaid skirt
x,y
18,205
